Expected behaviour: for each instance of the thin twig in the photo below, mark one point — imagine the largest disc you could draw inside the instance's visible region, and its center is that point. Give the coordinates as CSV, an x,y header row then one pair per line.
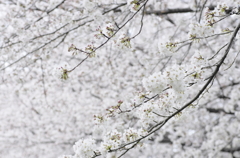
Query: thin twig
x,y
45,44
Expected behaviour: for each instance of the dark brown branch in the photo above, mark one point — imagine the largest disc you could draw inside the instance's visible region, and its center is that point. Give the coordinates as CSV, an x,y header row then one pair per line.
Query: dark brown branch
x,y
171,11
210,80
115,8
212,110
231,150
175,11
186,10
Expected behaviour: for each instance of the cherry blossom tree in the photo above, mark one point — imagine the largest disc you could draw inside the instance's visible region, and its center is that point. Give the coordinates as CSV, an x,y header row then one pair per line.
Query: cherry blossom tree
x,y
120,78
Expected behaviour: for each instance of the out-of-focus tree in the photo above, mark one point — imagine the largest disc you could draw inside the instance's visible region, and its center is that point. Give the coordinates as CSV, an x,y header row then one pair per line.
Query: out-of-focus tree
x,y
119,78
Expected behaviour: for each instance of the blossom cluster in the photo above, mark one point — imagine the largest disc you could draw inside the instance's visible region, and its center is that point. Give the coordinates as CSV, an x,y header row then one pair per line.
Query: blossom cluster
x,y
199,30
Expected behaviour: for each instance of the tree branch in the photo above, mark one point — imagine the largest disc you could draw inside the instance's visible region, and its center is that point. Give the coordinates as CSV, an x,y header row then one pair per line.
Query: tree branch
x,y
210,80
175,11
